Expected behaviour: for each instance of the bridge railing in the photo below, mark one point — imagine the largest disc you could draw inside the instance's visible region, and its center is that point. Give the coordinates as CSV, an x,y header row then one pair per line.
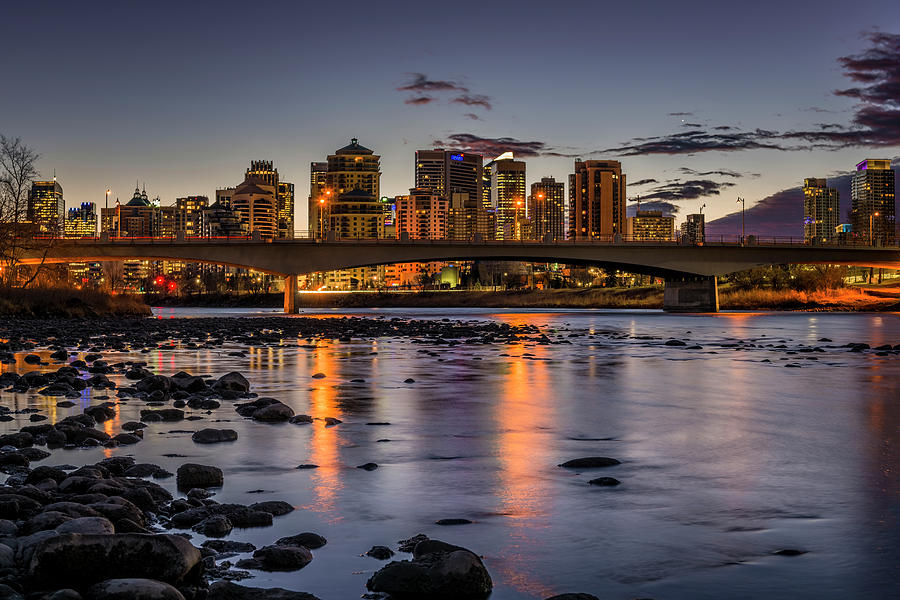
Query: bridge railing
x,y
332,237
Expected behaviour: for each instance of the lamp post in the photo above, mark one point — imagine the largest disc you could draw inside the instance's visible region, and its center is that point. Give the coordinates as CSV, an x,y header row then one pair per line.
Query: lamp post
x,y
322,212
872,228
518,225
741,200
107,210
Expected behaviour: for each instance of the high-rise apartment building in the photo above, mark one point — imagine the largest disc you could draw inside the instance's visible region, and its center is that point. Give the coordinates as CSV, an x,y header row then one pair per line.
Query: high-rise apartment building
x,y
693,230
82,221
507,194
264,171
873,206
596,199
547,209
821,211
317,183
446,171
356,214
353,167
46,207
422,214
650,226
468,219
189,215
255,202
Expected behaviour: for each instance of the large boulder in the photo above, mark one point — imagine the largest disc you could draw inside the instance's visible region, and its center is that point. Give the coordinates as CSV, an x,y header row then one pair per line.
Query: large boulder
x,y
232,382
282,558
96,525
75,560
132,589
190,475
225,590
277,412
438,571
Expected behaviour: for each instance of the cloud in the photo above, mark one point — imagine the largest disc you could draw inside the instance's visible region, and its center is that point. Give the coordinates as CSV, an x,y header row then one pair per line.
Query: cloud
x,y
420,83
474,100
643,182
419,100
692,189
470,142
667,208
472,116
681,114
875,122
721,172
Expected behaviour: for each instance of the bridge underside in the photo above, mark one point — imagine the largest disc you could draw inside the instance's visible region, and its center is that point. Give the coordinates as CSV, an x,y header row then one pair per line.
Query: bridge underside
x,y
689,271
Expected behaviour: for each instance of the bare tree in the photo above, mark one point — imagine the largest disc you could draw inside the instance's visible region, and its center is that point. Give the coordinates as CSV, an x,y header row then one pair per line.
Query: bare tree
x,y
18,169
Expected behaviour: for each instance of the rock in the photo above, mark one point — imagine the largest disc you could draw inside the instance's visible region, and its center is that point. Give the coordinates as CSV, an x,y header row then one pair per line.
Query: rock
x,y
7,557
127,438
66,594
452,522
368,466
226,590
213,436
75,560
276,508
134,426
380,552
214,526
331,421
409,380
590,462
307,539
307,466
232,382
789,552
7,593
573,597
318,375
228,546
675,343
190,475
444,574
163,414
300,419
133,589
410,544
274,413
50,519
283,558
605,481
96,525
32,359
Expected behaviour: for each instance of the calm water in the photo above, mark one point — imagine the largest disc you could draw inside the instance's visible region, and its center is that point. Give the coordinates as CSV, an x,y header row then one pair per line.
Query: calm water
x,y
727,455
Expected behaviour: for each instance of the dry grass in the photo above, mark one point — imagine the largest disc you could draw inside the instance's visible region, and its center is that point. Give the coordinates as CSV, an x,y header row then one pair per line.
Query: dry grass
x,y
66,302
849,299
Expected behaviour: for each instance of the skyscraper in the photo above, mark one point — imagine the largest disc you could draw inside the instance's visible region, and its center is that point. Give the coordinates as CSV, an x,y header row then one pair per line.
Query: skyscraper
x,y
547,208
255,203
507,194
317,178
873,202
468,218
596,199
82,221
264,171
821,211
353,167
46,207
446,171
693,230
189,215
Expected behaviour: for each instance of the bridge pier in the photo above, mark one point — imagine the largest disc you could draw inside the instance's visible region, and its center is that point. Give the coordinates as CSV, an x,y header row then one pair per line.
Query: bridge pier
x,y
290,294
691,294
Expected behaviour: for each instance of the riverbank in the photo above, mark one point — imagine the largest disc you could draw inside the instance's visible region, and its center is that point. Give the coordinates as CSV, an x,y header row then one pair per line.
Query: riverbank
x,y
865,298
68,303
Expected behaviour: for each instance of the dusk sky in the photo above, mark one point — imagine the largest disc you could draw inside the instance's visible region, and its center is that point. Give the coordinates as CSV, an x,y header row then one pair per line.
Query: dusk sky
x,y
712,100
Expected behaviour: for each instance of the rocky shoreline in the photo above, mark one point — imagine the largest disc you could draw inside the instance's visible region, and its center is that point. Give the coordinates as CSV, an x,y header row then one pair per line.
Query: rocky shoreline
x,y
109,531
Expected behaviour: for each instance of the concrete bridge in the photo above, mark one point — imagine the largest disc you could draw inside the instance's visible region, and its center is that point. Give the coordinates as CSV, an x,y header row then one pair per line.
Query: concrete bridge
x,y
689,270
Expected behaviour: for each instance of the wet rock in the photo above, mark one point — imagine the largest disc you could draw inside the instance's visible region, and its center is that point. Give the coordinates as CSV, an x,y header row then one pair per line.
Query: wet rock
x,y
675,343
92,525
228,546
164,414
318,375
134,426
226,590
573,597
443,574
66,594
410,544
32,359
191,475
276,508
213,436
276,412
307,539
232,382
8,593
300,419
591,462
133,589
331,421
368,466
789,552
307,466
59,355
214,526
605,481
380,552
409,380
74,560
282,558
126,438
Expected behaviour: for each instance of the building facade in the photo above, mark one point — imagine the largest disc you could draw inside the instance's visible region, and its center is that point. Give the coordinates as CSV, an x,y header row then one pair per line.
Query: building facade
x,y
821,211
693,230
547,209
317,183
46,207
82,221
873,203
508,195
596,200
650,226
256,204
265,172
468,219
446,171
189,215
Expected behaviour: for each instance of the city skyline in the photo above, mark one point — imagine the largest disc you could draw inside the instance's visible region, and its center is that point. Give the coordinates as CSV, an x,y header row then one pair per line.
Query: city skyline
x,y
184,129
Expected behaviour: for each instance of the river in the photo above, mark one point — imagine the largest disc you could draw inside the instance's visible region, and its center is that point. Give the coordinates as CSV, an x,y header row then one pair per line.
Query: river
x,y
727,453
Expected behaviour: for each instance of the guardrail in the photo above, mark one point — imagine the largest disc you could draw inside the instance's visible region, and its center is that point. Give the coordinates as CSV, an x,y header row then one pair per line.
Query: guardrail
x,y
721,240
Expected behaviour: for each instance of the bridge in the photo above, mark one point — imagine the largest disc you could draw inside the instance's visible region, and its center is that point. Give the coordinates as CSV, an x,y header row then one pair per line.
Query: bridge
x,y
689,271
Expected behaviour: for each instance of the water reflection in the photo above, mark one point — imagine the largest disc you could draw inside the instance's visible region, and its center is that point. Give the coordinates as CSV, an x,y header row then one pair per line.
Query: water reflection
x,y
325,441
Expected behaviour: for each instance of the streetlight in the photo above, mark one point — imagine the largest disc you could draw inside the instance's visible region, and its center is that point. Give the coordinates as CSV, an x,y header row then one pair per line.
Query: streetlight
x,y
871,228
518,225
741,200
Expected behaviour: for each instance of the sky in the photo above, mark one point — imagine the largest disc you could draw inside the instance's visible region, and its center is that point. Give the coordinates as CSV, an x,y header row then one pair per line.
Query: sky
x,y
703,102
